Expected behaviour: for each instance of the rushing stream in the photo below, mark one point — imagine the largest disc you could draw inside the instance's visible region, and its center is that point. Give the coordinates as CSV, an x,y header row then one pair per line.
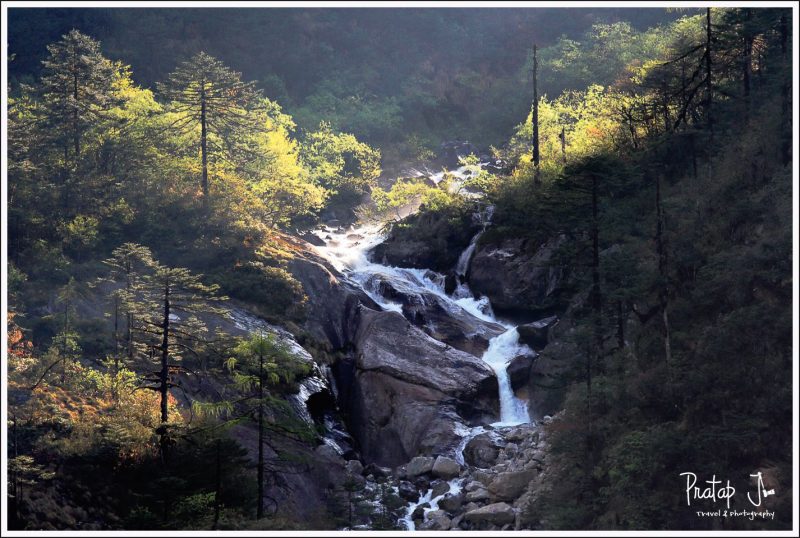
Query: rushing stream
x,y
348,250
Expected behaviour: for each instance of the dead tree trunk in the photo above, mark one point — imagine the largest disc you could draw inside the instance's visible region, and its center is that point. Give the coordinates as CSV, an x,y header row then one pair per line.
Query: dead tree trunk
x,y
535,120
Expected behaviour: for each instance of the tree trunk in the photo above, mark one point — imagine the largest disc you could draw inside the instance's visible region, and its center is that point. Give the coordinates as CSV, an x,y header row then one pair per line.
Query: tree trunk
x,y
260,505
747,53
65,196
128,314
64,360
709,87
14,478
563,138
76,135
596,299
662,272
218,486
535,119
164,377
204,141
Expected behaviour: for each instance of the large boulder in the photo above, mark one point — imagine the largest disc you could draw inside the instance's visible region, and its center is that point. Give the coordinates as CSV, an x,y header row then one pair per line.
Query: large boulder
x,y
509,486
546,379
519,370
333,303
446,468
406,490
452,502
428,240
537,334
436,520
419,465
408,390
482,450
515,276
494,514
435,315
452,151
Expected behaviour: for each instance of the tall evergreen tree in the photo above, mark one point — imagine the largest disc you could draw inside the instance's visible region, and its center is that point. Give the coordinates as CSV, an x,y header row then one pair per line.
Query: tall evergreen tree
x,y
208,94
261,363
76,88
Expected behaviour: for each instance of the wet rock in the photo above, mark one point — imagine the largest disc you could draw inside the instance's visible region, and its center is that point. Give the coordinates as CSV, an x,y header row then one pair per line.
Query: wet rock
x,y
437,520
482,450
355,481
378,471
480,494
495,514
419,511
452,502
446,468
518,434
519,370
450,283
537,334
354,467
422,483
405,388
452,151
547,393
312,239
330,466
434,314
515,276
472,486
406,490
439,487
483,477
509,486
431,240
401,471
419,465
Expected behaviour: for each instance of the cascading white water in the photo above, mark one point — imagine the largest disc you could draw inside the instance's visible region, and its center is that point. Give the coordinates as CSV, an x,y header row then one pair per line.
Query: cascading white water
x,y
347,251
502,349
407,520
466,256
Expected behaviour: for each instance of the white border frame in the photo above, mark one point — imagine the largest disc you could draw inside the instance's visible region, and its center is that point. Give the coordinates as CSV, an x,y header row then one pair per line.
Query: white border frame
x,y
400,4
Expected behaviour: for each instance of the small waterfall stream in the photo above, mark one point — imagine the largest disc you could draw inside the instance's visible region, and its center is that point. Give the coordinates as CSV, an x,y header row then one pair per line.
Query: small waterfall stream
x,y
348,251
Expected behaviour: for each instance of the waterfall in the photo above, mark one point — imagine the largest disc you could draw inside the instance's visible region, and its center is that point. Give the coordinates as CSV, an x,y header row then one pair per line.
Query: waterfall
x,y
502,349
347,250
408,522
466,256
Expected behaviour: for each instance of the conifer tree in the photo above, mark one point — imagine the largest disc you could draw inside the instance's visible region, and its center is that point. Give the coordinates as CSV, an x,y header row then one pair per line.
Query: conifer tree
x,y
76,88
208,94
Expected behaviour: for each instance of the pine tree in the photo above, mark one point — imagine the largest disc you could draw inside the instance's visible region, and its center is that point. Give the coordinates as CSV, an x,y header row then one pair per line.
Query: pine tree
x,y
76,88
206,93
127,266
260,363
170,300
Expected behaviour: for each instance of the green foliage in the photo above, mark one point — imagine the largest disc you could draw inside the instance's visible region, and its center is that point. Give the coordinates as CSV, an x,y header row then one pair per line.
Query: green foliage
x,y
339,162
265,359
274,290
